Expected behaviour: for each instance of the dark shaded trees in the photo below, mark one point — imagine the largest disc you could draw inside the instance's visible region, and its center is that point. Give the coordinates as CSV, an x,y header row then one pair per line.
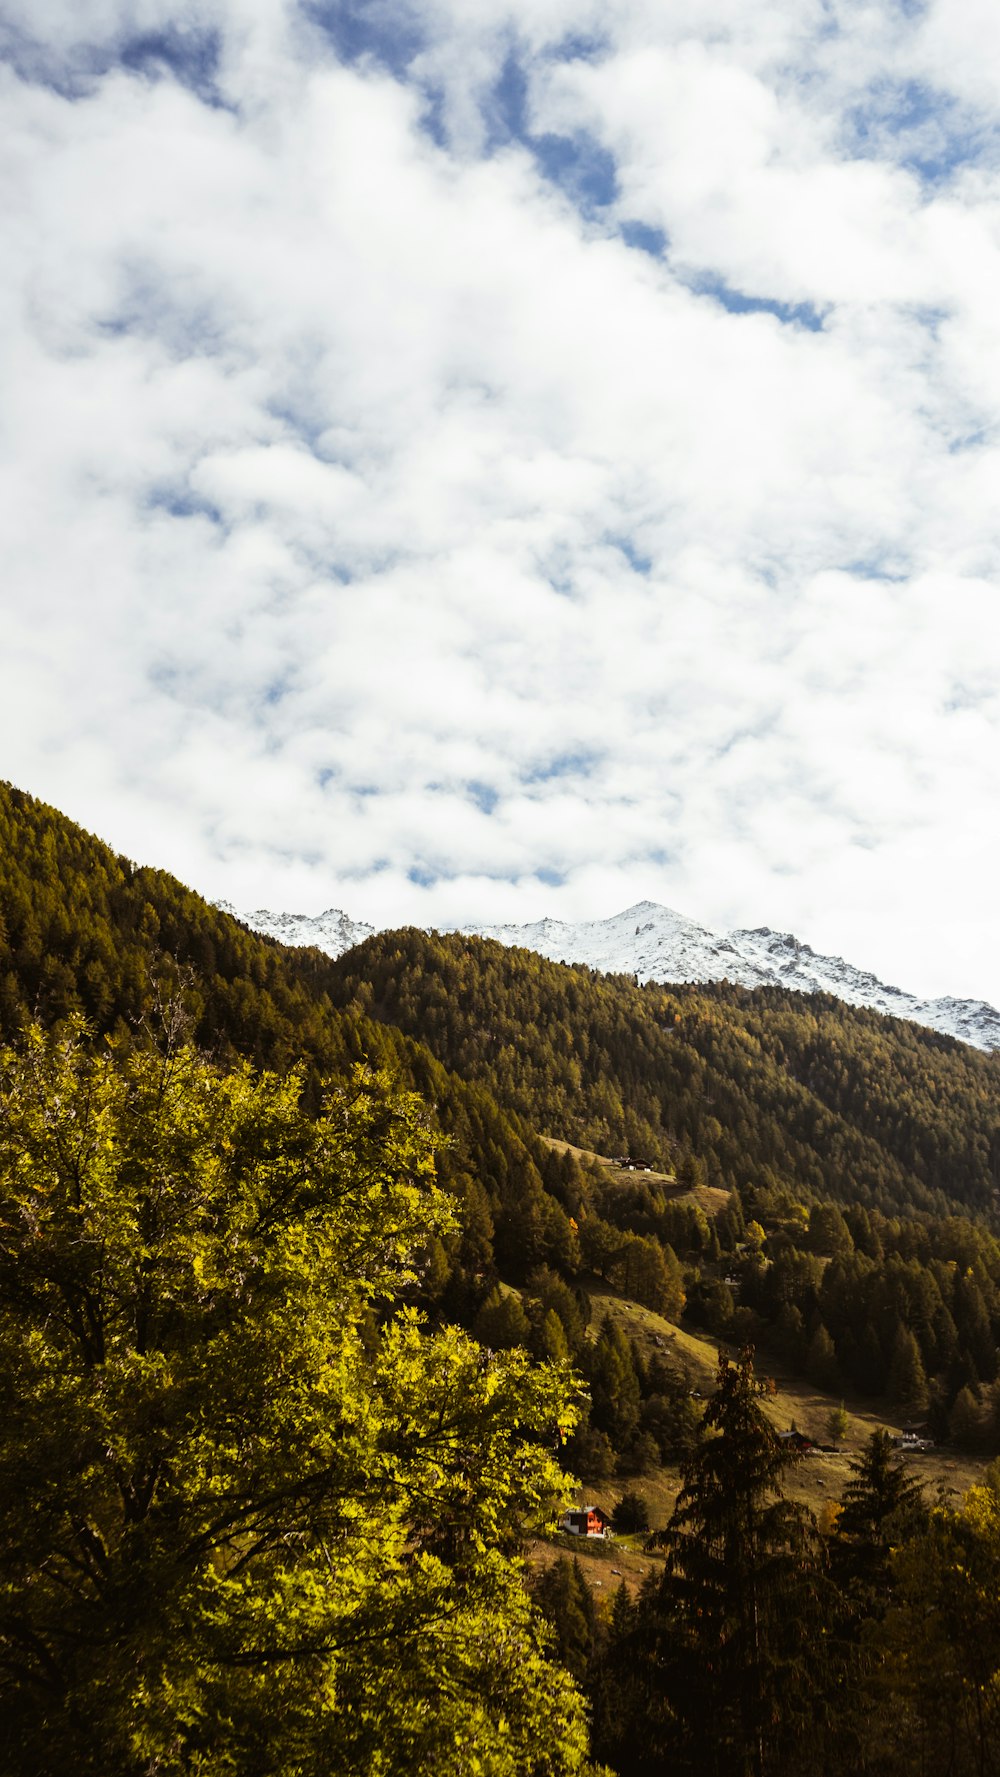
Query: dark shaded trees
x,y
938,1644
722,1661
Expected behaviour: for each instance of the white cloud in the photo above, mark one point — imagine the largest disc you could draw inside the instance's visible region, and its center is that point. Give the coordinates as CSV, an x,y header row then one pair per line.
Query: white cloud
x,y
381,529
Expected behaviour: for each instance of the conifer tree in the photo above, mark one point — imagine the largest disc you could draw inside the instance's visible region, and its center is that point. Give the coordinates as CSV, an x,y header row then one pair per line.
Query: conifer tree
x,y
821,1359
566,1600
881,1504
966,1419
501,1322
724,1652
631,1513
939,1643
907,1380
549,1340
614,1385
741,1559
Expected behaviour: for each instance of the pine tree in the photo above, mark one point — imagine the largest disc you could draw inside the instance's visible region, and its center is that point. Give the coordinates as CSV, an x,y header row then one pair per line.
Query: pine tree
x,y
725,1638
966,1419
821,1359
614,1385
881,1504
631,1513
501,1322
838,1424
565,1599
549,1340
939,1644
907,1381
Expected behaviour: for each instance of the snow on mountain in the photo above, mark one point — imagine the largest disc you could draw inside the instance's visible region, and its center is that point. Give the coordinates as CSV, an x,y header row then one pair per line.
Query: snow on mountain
x,y
656,944
647,940
332,931
792,964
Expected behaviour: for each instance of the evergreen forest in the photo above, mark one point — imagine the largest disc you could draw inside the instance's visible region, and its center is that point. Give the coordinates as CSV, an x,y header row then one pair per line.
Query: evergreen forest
x,y
299,1261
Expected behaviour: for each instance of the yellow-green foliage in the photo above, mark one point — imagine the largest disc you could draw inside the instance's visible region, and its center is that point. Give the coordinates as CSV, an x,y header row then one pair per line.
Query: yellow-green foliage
x,y
254,1517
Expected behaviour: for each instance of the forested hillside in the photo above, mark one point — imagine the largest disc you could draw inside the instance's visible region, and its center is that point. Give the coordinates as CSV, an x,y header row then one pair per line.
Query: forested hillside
x,y
260,1492
84,931
848,1140
764,1087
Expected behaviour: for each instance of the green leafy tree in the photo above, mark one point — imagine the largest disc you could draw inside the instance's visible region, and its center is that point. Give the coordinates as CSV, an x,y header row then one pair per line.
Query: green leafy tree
x,y
742,1566
828,1231
549,1340
253,1517
966,1419
614,1385
649,1273
821,1359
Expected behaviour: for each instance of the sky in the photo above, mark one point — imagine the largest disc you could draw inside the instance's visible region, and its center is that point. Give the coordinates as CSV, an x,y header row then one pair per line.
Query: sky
x,y
472,460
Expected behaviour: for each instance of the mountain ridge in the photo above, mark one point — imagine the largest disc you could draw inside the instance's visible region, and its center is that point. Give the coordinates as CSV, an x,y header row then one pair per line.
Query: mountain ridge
x,y
657,944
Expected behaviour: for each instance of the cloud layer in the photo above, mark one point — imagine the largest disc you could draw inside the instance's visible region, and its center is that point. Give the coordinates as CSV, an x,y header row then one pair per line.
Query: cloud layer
x,y
473,462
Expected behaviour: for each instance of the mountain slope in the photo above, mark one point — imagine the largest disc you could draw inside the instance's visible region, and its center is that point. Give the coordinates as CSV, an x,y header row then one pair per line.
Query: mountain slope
x,y
764,1086
84,931
656,944
759,1087
799,1102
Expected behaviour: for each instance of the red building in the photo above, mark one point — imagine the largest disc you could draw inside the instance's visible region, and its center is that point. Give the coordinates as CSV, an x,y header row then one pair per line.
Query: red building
x,y
586,1521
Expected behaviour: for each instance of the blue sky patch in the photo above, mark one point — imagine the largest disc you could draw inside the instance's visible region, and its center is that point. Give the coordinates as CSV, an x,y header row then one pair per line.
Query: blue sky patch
x,y
183,502
506,105
919,127
580,166
579,764
640,564
422,875
362,30
969,441
874,567
577,164
191,57
484,796
644,238
739,302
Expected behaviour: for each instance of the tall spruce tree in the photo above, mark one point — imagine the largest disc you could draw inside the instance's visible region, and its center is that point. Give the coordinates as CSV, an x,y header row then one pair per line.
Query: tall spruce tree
x,y
882,1503
743,1578
724,1673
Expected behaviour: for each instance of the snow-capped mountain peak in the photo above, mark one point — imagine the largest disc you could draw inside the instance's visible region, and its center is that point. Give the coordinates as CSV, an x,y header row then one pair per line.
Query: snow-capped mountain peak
x,y
655,943
332,931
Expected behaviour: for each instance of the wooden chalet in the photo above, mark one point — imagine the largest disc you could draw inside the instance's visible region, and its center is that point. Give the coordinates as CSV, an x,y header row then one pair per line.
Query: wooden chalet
x,y
586,1521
